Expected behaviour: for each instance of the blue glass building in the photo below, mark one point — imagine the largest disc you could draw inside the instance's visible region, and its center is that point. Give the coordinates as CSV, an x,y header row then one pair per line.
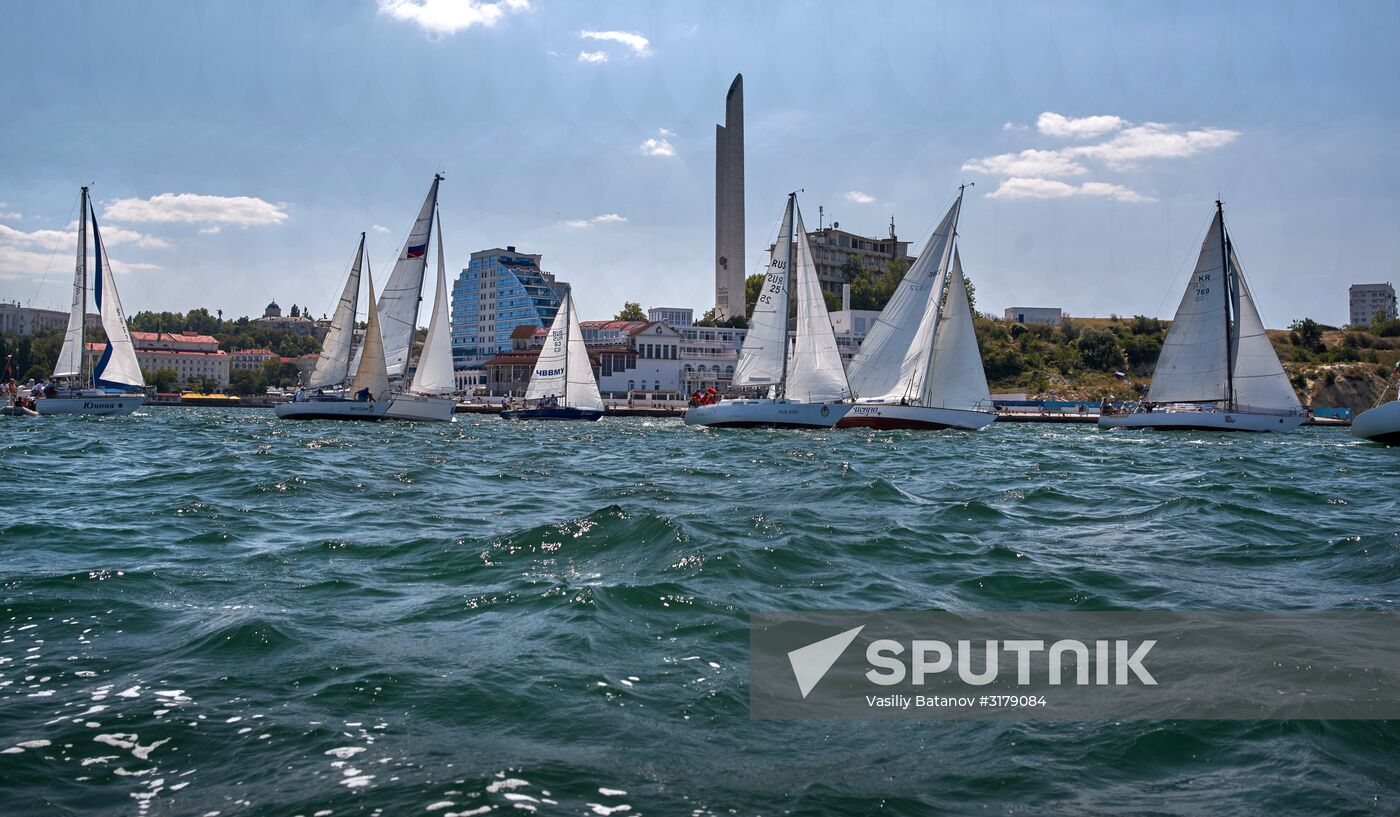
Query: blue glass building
x,y
499,290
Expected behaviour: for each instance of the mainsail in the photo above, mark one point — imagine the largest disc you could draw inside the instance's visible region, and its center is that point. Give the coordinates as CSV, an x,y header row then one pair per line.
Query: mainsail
x,y
1260,381
956,379
70,357
118,367
333,366
398,303
1192,366
563,370
765,346
434,374
372,373
894,357
816,373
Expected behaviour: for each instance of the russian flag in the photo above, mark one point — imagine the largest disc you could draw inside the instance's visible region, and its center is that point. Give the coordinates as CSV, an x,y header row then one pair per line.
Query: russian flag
x,y
416,252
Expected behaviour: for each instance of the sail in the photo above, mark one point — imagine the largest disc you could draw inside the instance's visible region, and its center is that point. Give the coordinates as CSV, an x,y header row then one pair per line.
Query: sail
x,y
548,377
816,373
372,373
1260,382
1192,366
581,388
434,374
956,379
333,366
118,367
70,357
398,303
765,345
894,355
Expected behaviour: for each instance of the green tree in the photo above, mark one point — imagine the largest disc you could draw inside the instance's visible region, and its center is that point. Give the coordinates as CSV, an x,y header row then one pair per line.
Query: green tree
x,y
631,311
1099,349
276,373
1307,334
244,381
710,319
164,379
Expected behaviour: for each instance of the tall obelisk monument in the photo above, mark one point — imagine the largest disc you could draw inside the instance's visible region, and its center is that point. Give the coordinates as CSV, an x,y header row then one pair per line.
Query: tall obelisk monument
x,y
729,205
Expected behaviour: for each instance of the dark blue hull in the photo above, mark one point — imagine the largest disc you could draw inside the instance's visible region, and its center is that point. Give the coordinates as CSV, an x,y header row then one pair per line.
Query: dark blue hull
x,y
560,413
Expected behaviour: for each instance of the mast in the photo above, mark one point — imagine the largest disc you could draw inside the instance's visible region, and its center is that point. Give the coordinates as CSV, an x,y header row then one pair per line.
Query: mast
x,y
82,303
787,290
569,304
1228,281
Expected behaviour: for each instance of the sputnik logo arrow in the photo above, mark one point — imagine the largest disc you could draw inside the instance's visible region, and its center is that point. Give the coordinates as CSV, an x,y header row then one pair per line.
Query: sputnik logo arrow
x,y
811,663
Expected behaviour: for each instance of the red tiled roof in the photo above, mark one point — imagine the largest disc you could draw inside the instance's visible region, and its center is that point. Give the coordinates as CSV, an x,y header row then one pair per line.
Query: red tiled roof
x,y
97,347
525,330
181,337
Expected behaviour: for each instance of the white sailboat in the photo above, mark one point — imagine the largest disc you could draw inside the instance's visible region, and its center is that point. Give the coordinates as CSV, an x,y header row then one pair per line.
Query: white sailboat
x,y
431,394
1217,371
1381,422
115,384
807,389
562,387
367,396
920,366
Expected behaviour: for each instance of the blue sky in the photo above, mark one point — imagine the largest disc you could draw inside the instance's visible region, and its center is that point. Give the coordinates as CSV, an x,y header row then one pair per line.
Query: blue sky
x,y
238,149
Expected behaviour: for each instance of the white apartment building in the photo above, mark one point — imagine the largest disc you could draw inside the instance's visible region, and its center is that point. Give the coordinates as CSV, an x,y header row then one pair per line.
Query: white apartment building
x,y
1368,299
676,316
188,354
26,321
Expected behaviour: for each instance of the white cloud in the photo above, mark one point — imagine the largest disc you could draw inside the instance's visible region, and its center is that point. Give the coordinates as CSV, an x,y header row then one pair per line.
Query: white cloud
x,y
606,218
443,18
215,230
193,208
592,56
663,132
1154,140
640,45
37,252
1012,126
381,229
659,146
858,197
1087,127
1027,163
1028,188
9,214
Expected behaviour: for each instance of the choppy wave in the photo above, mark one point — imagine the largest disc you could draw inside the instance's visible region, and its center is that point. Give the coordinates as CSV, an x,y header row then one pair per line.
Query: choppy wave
x,y
207,610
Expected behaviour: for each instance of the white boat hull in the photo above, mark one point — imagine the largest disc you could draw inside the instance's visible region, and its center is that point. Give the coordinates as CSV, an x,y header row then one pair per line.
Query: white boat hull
x,y
893,415
333,410
421,407
100,404
766,413
1380,424
1169,420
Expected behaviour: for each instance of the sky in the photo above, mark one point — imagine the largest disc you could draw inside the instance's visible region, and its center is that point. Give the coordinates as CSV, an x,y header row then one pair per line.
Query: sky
x,y
237,150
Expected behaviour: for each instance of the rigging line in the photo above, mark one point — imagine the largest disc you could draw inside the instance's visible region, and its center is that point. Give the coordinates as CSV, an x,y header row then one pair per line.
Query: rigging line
x,y
49,267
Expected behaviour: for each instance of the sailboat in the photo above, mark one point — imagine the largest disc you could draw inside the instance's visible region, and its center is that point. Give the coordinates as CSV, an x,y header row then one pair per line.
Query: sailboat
x,y
920,367
1217,371
806,389
367,396
1381,422
562,387
430,395
115,384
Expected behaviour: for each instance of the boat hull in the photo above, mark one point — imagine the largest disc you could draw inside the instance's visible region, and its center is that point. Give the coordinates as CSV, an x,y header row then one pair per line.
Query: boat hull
x,y
1379,425
17,411
370,410
894,416
1167,420
766,413
556,413
99,404
421,407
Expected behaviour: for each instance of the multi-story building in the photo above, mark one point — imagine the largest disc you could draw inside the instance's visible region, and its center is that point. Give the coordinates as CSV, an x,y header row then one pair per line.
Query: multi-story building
x,y
851,327
189,355
627,357
250,360
300,323
1368,299
1033,314
26,321
676,316
708,355
498,291
835,251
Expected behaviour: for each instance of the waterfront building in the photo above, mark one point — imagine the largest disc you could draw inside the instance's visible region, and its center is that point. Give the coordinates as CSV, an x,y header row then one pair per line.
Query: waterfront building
x,y
1368,299
708,355
676,316
190,355
26,321
1049,316
499,291
729,205
249,360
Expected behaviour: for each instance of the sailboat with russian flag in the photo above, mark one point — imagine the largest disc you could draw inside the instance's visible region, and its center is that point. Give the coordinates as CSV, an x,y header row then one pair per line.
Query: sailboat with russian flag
x,y
112,383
